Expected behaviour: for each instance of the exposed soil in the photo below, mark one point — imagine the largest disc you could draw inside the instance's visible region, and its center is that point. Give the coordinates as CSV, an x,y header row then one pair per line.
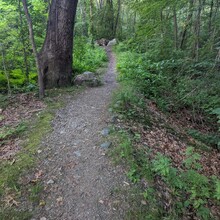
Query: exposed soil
x,y
79,179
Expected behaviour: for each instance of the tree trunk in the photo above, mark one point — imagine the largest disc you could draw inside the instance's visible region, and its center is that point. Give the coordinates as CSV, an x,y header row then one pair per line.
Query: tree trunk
x,y
175,29
83,18
188,22
109,20
56,54
197,31
91,22
23,43
117,18
31,34
210,17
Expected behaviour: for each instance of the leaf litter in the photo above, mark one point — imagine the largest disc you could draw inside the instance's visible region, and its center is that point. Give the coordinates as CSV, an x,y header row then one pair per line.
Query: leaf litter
x,y
20,108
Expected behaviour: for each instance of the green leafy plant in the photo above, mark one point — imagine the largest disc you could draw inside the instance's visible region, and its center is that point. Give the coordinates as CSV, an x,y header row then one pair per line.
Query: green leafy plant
x,y
87,57
217,113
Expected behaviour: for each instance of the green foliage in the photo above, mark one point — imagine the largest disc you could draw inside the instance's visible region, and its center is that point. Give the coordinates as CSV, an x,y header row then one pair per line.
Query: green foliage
x,y
129,104
3,102
35,193
161,165
197,188
186,186
86,56
7,132
217,113
173,84
211,139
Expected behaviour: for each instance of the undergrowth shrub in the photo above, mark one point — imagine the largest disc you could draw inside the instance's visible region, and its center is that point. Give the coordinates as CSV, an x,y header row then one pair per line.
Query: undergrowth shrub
x,y
175,84
86,56
18,81
189,190
129,104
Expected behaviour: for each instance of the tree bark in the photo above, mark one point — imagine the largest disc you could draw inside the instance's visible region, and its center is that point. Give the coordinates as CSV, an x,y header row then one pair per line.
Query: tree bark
x,y
197,31
56,54
91,22
23,43
117,18
37,60
188,22
175,29
83,18
210,17
109,19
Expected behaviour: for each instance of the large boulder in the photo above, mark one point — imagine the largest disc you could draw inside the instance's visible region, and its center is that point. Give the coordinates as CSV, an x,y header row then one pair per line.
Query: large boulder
x,y
87,78
112,42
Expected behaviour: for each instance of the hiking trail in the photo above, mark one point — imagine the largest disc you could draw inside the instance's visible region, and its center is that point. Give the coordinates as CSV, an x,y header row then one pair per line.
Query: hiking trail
x,y
79,178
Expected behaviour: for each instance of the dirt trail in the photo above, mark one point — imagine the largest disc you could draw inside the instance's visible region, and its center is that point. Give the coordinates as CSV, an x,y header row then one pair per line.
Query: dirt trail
x,y
79,178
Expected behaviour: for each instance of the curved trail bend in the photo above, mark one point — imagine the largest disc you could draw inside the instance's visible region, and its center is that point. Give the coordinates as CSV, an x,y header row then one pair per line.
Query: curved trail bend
x,y
80,180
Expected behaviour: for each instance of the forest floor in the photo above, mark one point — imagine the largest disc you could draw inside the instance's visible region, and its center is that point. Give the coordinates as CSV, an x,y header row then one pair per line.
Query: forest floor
x,y
80,181
75,178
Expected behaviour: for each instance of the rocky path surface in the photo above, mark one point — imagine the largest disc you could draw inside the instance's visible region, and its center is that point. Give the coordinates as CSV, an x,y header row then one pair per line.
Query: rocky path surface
x,y
80,180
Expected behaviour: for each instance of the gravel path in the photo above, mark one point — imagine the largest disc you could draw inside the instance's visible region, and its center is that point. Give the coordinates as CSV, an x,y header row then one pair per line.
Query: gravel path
x,y
80,180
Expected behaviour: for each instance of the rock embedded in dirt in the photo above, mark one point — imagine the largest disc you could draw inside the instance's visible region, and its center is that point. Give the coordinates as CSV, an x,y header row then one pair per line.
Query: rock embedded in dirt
x,y
77,153
113,119
87,78
112,42
105,132
50,182
102,42
106,145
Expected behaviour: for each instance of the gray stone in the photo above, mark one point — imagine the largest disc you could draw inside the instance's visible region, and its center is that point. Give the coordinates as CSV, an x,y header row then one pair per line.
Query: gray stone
x,y
77,153
112,42
50,182
105,132
88,79
114,119
106,145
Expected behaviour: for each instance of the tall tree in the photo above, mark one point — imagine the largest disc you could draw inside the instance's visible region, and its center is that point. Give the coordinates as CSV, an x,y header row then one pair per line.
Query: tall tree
x,y
56,54
31,34
54,61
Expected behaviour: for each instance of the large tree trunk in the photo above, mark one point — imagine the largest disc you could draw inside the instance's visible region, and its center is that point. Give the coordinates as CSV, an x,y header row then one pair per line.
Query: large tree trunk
x,y
56,54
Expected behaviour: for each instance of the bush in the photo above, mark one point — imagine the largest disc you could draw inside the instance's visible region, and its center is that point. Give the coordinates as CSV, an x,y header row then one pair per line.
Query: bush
x,y
86,56
173,84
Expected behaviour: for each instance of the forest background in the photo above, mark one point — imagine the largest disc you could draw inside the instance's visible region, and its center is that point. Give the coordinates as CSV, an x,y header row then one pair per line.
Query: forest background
x,y
168,52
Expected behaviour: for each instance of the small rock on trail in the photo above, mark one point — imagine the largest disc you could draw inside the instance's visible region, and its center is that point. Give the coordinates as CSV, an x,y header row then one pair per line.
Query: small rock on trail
x,y
83,174
105,132
106,145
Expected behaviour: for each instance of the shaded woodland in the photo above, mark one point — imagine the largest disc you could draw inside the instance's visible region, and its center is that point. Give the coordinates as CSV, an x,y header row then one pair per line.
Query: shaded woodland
x,y
168,103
